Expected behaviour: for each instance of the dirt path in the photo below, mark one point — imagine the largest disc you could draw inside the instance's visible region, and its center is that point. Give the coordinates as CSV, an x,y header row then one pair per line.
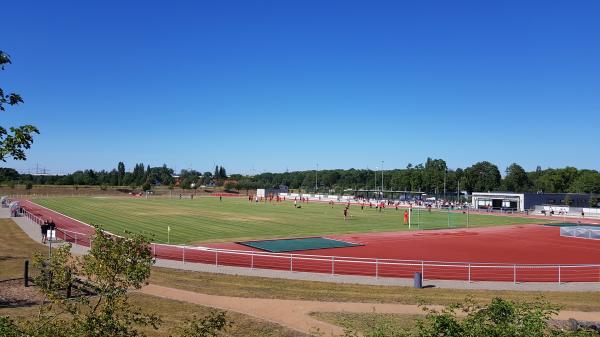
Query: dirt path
x,y
294,314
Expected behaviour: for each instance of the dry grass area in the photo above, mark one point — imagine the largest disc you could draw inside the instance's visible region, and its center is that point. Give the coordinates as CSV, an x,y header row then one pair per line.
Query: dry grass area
x,y
174,314
15,248
244,286
368,322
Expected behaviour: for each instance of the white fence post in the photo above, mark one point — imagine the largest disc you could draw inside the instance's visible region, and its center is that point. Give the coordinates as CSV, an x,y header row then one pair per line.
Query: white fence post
x,y
183,255
291,262
515,274
469,273
252,260
559,274
422,270
216,258
376,268
332,265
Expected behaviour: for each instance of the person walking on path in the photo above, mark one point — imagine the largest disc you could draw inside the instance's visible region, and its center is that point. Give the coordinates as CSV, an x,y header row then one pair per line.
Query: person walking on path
x,y
44,228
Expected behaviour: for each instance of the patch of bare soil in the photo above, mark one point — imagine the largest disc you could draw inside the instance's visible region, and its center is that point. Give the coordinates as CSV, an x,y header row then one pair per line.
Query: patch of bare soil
x,y
14,294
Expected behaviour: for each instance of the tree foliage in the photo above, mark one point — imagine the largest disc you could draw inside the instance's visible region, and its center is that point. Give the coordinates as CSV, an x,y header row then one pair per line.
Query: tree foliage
x,y
516,179
15,140
499,318
430,177
113,267
189,177
120,173
209,326
435,174
482,176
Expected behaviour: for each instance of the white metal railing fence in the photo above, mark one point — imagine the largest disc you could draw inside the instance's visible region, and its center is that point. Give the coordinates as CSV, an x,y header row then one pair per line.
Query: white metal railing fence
x,y
61,233
373,267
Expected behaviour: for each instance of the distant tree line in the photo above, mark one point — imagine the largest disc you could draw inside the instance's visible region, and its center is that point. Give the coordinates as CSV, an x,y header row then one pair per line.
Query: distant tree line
x,y
431,177
140,176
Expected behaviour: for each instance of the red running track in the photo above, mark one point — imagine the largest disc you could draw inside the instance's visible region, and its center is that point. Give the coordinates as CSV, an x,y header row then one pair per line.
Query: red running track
x,y
521,253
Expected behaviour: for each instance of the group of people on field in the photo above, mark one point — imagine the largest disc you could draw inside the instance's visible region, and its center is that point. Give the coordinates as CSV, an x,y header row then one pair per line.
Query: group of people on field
x,y
269,198
379,205
301,199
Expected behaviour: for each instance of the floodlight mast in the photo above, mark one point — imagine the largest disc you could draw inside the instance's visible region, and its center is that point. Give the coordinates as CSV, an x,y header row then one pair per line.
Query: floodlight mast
x,y
382,179
316,178
375,179
445,174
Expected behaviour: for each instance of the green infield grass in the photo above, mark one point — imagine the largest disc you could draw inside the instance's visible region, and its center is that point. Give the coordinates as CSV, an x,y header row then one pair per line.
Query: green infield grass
x,y
208,219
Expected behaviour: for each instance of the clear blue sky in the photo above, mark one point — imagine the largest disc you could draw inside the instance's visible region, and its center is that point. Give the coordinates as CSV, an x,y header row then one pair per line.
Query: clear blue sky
x,y
276,85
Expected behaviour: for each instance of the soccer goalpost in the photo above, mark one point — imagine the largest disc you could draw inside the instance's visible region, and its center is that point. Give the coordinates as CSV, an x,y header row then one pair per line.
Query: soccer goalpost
x,y
410,212
456,219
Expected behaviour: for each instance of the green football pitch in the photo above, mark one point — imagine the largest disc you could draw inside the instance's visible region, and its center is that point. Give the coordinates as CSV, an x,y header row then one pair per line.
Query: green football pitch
x,y
209,220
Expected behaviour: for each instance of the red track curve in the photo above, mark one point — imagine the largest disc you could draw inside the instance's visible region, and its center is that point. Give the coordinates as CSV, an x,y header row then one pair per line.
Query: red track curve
x,y
523,253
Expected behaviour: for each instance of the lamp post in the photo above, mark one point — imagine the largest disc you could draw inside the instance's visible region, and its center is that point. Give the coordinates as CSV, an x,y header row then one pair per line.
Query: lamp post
x,y
445,174
375,172
50,248
382,178
316,178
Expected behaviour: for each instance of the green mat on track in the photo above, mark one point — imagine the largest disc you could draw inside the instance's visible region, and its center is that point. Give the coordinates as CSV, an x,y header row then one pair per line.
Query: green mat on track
x,y
290,245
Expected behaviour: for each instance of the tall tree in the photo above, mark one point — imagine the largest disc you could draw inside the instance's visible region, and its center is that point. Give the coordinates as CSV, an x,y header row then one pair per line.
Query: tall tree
x,y
222,173
482,177
516,179
121,173
16,140
435,174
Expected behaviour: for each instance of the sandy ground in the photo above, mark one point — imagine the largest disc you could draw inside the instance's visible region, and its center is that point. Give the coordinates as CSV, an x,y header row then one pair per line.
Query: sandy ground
x,y
14,294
